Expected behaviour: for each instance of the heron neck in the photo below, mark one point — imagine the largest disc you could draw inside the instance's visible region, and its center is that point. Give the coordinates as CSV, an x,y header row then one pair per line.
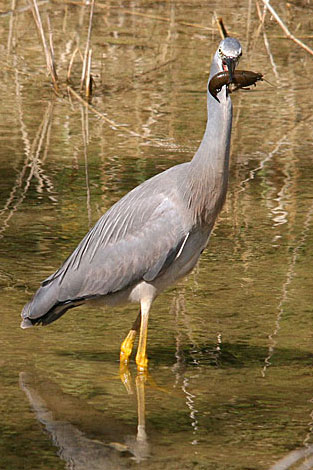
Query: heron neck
x,y
209,166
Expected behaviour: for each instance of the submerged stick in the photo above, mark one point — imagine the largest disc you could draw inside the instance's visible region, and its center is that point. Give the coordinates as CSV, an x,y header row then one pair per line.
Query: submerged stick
x,y
114,125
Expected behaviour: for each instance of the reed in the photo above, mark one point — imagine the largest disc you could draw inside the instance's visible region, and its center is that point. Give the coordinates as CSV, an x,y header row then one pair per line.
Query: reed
x,y
285,29
220,26
86,83
86,79
47,47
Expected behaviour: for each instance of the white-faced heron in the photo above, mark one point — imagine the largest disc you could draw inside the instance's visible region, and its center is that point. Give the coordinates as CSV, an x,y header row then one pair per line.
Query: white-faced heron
x,y
154,235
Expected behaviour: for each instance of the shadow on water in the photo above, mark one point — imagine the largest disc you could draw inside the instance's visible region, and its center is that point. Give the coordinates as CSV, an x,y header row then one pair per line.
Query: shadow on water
x,y
228,355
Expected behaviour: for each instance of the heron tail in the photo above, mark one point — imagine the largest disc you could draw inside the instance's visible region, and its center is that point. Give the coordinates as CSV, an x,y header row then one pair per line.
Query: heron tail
x,y
44,308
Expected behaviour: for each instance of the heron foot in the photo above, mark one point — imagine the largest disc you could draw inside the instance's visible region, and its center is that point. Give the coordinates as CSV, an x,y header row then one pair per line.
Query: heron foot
x,y
127,346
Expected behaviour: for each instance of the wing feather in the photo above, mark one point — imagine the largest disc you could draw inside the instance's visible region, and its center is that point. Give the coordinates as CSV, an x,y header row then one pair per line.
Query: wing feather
x,y
138,238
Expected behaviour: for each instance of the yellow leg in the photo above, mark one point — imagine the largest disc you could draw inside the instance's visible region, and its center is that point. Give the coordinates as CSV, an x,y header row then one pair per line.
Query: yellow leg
x,y
141,356
128,343
127,346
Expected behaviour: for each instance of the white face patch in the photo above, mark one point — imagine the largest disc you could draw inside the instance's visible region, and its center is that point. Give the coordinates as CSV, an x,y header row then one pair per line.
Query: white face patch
x,y
229,51
230,48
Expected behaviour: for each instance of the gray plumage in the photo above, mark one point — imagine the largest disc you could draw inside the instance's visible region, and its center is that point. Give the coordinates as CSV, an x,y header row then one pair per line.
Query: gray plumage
x,y
155,234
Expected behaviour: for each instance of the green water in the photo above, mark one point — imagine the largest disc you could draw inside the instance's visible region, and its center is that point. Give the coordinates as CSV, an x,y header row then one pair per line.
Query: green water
x,y
230,347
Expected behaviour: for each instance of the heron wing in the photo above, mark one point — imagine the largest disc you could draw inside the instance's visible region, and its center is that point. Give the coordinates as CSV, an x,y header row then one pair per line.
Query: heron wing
x,y
137,239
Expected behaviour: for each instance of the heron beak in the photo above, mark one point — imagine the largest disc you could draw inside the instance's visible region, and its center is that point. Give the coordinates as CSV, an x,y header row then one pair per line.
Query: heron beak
x,y
231,63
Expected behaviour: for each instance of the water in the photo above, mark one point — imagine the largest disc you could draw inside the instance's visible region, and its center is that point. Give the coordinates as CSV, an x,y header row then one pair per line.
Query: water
x,y
230,347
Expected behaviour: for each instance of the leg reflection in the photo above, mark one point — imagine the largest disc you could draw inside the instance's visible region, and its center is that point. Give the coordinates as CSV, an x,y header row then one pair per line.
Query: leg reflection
x,y
141,400
139,446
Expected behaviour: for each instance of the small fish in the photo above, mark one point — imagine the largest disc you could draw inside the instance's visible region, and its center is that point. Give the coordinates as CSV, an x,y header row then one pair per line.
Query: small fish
x,y
241,79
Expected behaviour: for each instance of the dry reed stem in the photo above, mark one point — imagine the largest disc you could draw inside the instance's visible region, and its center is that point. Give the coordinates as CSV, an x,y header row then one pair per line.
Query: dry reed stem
x,y
285,29
69,69
305,36
248,26
85,136
51,48
266,42
70,65
47,50
10,35
261,18
21,9
220,26
88,82
87,54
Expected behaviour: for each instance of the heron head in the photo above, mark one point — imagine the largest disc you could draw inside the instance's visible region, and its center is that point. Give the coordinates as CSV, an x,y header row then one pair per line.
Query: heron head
x,y
228,55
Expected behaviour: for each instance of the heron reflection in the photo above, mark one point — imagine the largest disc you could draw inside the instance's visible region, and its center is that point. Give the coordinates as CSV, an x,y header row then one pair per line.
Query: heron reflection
x,y
57,412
